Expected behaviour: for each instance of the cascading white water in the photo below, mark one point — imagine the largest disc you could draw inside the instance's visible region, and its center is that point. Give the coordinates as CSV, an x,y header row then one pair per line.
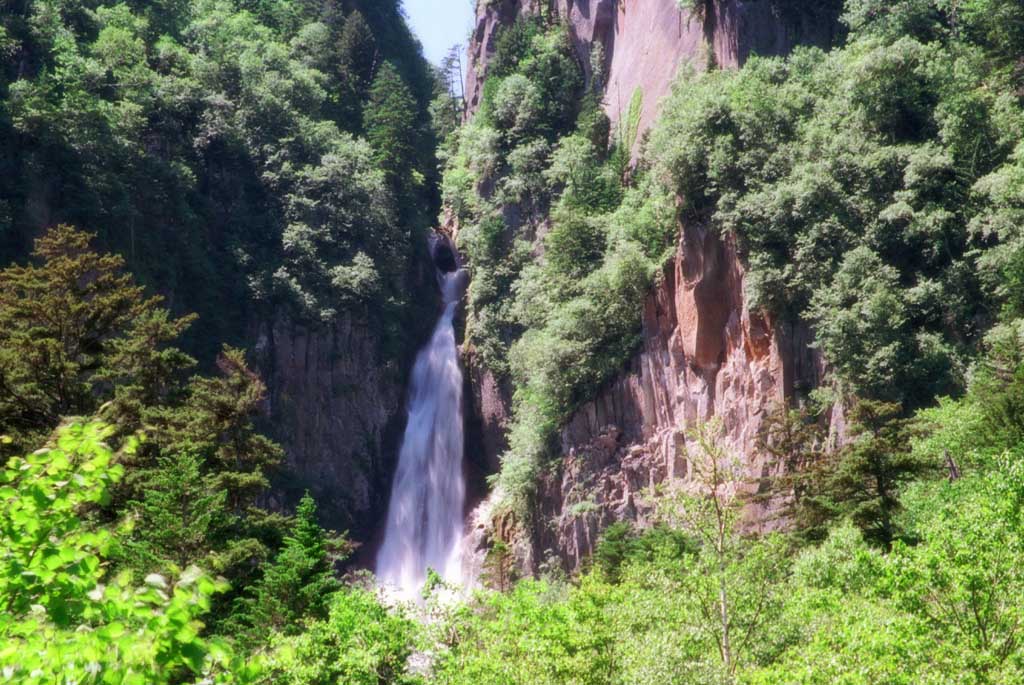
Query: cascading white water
x,y
424,527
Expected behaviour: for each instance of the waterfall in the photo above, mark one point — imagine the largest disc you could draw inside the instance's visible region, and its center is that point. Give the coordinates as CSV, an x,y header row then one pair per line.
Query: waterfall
x,y
424,526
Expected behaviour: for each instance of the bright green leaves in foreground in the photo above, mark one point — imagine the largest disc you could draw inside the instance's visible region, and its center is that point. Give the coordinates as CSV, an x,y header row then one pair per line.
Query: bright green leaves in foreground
x,y
63,620
50,558
916,578
359,643
942,607
534,634
945,610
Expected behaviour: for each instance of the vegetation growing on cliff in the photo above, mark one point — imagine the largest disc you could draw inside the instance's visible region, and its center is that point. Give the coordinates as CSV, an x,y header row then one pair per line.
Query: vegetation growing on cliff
x,y
938,605
860,185
875,192
247,161
537,171
279,154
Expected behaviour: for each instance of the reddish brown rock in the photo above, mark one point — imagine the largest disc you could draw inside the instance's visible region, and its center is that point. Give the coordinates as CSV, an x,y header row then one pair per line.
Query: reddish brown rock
x,y
646,42
705,354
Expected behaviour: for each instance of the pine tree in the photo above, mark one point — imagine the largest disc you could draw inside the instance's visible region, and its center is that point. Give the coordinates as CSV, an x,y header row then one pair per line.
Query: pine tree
x,y
57,321
863,480
357,54
145,368
217,421
391,123
355,61
499,566
298,584
179,514
794,445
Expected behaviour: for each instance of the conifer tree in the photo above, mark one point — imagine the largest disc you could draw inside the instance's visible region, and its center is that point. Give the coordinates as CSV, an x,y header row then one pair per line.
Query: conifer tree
x,y
355,59
391,123
498,566
794,445
145,368
997,385
863,480
298,584
217,421
178,515
357,53
57,321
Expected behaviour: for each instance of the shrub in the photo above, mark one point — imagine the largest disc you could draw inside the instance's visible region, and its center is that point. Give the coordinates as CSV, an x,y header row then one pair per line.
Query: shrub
x,y
63,619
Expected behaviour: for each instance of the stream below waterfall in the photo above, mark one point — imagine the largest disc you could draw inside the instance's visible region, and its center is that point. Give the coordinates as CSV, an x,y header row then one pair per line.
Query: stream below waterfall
x,y
425,512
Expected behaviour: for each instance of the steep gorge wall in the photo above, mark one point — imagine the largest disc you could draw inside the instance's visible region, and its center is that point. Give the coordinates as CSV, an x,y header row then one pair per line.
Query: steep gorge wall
x,y
336,400
646,42
335,407
705,353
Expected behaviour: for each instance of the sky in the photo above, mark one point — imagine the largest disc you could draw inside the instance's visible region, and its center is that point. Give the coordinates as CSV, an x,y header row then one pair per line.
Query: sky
x,y
440,24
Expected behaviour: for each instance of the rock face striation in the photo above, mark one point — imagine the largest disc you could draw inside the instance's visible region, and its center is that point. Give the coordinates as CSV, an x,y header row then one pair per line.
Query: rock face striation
x,y
646,42
336,409
336,403
705,352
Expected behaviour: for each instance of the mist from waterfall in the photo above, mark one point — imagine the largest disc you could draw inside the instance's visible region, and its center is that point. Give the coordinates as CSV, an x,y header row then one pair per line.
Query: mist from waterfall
x,y
424,525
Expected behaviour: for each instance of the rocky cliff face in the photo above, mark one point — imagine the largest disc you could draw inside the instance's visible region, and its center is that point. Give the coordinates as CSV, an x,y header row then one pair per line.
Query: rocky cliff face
x,y
336,403
646,42
705,353
336,409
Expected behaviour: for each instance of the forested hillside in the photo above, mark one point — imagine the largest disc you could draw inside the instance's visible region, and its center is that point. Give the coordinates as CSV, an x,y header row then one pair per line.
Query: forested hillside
x,y
746,363
872,195
176,174
269,167
211,133
872,191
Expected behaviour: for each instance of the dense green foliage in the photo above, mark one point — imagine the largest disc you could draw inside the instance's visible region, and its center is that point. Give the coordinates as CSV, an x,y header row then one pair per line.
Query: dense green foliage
x,y
874,192
80,339
360,642
65,618
297,585
68,617
62,322
536,171
222,148
941,606
246,160
861,185
281,153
